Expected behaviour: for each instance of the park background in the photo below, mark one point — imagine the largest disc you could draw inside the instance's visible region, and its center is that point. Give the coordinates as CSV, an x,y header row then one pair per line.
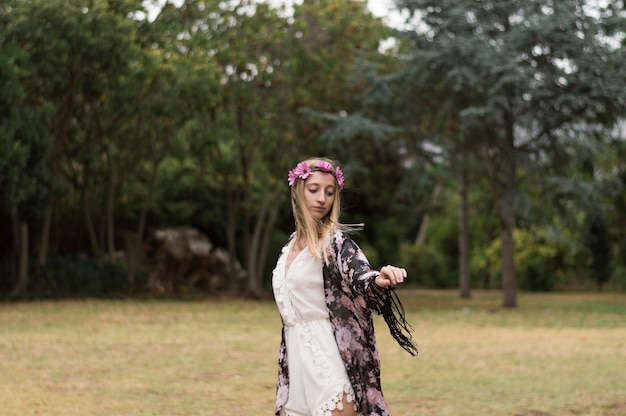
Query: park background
x,y
483,143
484,147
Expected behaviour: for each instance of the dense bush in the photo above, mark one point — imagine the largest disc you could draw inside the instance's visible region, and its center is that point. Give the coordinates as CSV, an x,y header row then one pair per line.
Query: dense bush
x,y
618,279
541,260
425,265
598,244
70,277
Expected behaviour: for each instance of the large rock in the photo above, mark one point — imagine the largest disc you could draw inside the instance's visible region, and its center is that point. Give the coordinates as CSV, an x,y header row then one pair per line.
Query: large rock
x,y
184,256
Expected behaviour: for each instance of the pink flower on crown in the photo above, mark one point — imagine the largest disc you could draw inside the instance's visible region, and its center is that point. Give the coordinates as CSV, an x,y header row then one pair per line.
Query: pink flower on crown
x,y
337,173
325,166
339,177
301,171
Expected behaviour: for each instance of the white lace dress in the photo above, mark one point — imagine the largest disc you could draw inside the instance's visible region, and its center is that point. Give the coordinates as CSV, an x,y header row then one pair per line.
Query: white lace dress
x,y
317,377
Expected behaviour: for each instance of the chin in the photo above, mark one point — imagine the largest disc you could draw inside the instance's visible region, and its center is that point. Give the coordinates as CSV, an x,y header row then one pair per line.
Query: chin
x,y
319,215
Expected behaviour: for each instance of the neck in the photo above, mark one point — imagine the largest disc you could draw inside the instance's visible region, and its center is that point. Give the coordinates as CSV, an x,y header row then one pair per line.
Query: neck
x,y
300,240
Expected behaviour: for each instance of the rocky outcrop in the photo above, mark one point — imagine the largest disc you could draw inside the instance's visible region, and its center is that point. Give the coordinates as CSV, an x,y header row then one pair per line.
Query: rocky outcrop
x,y
185,257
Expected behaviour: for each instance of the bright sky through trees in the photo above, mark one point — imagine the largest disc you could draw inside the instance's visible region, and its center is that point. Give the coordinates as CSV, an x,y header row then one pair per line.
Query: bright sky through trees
x,y
379,8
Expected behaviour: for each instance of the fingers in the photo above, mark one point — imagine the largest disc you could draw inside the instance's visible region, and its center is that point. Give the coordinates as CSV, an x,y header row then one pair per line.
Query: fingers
x,y
393,274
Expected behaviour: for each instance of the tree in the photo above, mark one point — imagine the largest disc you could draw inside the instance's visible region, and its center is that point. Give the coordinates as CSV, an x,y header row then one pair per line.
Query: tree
x,y
249,130
336,76
23,169
530,72
77,50
229,58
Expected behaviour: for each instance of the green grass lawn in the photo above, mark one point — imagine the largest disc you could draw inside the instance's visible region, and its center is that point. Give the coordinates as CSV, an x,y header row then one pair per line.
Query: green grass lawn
x,y
556,354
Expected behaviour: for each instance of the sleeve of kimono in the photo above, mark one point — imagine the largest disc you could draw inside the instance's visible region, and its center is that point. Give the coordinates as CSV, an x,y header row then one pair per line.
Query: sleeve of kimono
x,y
356,270
354,266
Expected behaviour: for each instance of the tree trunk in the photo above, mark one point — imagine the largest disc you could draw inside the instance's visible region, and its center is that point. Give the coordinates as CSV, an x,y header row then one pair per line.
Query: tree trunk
x,y
66,112
244,221
252,256
507,222
269,226
231,235
15,252
256,261
42,256
464,271
137,256
110,208
102,235
421,235
22,265
91,230
141,227
509,284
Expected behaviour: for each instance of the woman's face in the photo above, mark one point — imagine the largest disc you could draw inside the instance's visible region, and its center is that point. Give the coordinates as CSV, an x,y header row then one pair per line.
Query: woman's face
x,y
319,194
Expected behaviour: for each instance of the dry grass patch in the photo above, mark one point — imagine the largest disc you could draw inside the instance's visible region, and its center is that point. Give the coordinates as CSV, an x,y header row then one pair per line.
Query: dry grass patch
x,y
554,355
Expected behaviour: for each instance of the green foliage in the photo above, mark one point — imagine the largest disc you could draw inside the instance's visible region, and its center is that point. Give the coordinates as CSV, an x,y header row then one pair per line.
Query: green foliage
x,y
609,165
24,142
329,38
382,234
13,152
73,277
598,244
425,265
618,278
443,234
512,89
542,261
79,277
194,118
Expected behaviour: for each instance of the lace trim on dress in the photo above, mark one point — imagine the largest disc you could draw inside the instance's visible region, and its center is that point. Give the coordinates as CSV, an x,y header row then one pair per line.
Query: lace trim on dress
x,y
280,284
336,403
328,374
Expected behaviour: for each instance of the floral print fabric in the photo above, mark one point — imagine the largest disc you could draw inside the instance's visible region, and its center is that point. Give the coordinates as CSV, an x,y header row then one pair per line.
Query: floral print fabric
x,y
351,297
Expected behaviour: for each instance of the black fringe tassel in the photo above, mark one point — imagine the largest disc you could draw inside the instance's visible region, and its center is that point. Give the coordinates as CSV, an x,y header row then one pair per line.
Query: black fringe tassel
x,y
393,313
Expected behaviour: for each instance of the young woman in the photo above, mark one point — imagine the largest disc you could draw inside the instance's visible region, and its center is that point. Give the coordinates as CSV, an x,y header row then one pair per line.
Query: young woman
x,y
326,291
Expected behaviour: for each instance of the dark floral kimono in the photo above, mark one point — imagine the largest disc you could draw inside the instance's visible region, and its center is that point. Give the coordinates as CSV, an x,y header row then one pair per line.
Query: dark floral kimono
x,y
351,297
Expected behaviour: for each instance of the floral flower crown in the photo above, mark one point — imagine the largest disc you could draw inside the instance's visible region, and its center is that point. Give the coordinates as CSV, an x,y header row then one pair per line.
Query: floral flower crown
x,y
303,171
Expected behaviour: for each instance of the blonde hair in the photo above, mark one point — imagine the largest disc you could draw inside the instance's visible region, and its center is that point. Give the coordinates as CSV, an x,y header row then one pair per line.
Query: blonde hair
x,y
315,231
